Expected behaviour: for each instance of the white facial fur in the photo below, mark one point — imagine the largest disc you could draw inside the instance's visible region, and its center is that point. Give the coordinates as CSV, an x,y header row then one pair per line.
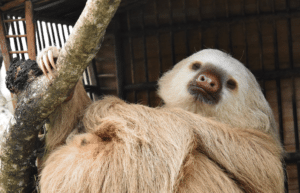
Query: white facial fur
x,y
243,107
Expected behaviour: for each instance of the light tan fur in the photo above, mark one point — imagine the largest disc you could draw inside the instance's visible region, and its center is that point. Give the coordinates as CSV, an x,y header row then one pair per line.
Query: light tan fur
x,y
132,148
66,116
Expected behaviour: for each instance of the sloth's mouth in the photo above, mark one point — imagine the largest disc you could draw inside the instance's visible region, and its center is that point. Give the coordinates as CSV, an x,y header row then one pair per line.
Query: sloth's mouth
x,y
201,95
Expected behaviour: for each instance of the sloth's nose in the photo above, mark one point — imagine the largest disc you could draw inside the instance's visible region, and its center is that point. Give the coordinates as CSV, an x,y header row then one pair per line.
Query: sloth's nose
x,y
209,82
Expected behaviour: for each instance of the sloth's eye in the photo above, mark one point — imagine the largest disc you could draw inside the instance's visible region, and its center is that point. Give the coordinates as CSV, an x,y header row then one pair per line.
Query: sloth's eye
x,y
196,66
231,84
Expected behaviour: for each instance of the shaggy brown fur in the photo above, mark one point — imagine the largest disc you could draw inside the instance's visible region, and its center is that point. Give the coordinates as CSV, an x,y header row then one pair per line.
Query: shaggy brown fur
x,y
133,148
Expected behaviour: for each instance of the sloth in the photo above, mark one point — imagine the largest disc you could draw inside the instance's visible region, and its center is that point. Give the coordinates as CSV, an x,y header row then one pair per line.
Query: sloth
x,y
215,133
213,84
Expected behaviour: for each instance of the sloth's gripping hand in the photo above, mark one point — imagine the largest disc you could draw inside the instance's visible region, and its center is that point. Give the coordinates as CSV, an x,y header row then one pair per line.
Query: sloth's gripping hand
x,y
46,60
22,72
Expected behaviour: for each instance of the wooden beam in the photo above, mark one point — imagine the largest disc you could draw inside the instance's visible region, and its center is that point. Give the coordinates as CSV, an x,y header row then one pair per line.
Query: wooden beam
x,y
12,20
11,5
15,36
18,52
30,30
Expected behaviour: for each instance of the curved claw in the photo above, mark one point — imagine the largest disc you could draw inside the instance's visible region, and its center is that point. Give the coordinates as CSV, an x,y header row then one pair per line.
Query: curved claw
x,y
42,67
50,57
46,63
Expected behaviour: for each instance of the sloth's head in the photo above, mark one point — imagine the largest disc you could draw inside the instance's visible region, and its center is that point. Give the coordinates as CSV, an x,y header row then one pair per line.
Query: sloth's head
x,y
214,84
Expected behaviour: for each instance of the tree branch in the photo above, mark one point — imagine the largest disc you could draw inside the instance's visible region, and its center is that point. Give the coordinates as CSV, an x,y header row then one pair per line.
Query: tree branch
x,y
41,97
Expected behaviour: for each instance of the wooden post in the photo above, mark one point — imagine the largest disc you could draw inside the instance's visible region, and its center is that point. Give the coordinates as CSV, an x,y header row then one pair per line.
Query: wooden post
x,y
5,48
4,44
30,30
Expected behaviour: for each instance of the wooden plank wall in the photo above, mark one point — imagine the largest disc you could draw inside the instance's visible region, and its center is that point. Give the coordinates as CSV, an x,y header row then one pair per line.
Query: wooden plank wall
x,y
262,34
105,63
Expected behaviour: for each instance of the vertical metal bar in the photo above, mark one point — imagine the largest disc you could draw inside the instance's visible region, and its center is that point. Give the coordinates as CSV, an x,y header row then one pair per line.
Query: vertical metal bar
x,y
246,36
158,39
280,110
25,32
261,46
290,40
229,28
58,35
187,45
275,45
63,33
244,8
261,54
246,44
216,31
87,77
199,9
68,30
278,82
38,36
172,33
66,33
88,83
295,117
227,9
273,5
15,39
200,19
30,30
145,55
36,39
19,39
48,34
131,56
215,9
40,29
145,48
24,27
52,34
230,38
257,6
96,74
285,178
119,59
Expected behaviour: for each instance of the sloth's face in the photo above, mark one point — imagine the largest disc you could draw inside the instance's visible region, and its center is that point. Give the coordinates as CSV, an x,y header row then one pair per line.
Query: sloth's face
x,y
213,84
209,77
